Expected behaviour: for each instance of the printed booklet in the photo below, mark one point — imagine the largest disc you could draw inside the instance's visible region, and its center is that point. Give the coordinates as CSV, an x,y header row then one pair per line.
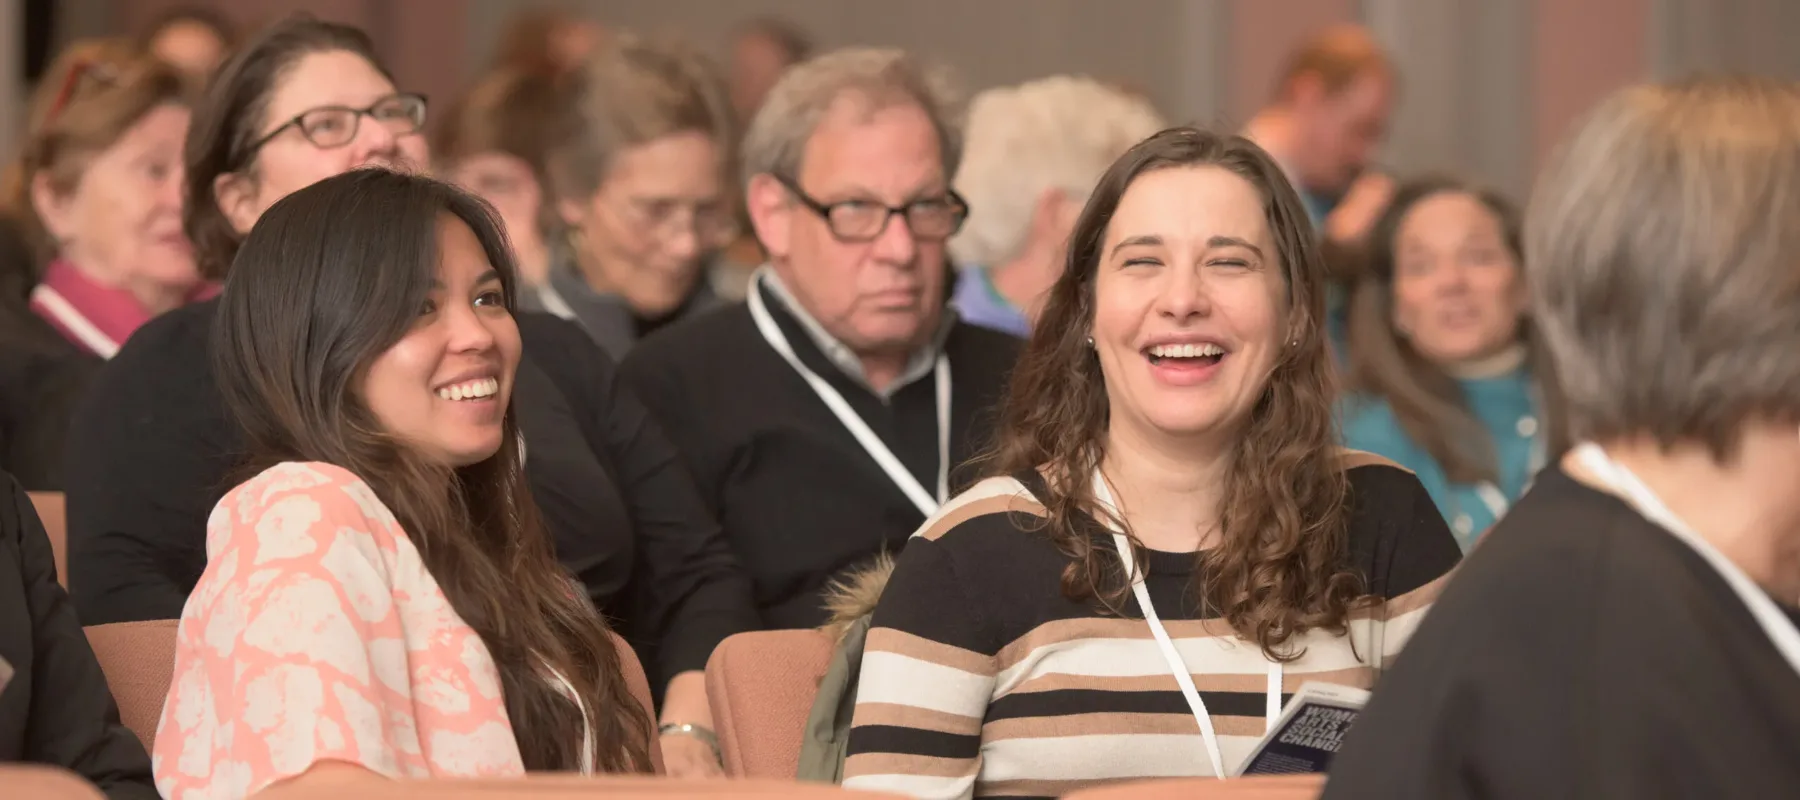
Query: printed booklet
x,y
1308,732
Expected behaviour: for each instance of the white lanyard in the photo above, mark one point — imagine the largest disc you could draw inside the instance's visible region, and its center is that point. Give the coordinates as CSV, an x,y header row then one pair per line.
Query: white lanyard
x,y
1272,708
587,726
72,320
897,472
1779,628
554,303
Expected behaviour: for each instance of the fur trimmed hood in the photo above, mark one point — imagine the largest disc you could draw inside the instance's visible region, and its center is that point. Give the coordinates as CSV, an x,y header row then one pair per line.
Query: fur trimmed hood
x,y
853,594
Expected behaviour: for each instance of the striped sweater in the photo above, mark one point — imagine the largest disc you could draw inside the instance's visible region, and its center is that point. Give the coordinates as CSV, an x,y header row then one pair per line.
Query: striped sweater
x,y
980,679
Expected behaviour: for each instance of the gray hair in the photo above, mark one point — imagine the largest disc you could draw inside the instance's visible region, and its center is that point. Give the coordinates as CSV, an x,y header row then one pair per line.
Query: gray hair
x,y
1061,133
633,91
1660,249
776,139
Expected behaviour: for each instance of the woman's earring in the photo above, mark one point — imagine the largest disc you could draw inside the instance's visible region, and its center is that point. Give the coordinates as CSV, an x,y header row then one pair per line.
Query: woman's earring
x,y
1090,342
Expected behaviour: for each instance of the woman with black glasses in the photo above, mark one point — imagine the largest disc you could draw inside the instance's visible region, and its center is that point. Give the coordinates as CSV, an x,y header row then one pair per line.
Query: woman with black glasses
x,y
152,450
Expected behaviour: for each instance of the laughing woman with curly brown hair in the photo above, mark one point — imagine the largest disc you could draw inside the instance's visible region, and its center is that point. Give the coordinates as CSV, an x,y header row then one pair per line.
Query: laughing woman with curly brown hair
x,y
1172,414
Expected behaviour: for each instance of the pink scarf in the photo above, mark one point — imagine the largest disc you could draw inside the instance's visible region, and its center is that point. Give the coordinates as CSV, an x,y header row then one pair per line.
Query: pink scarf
x,y
96,317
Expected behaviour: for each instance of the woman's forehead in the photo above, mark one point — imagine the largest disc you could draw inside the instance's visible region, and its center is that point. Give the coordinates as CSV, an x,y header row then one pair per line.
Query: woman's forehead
x,y
327,78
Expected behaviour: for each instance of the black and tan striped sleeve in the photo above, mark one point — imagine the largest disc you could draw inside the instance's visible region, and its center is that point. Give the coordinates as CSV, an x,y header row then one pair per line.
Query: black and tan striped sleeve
x,y
1417,552
927,676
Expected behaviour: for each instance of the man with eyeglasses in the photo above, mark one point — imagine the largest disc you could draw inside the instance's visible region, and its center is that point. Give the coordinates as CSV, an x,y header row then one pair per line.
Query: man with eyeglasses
x,y
827,417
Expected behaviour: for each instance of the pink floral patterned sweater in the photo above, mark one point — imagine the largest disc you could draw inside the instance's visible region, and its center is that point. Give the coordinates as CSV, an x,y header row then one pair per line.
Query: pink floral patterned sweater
x,y
316,634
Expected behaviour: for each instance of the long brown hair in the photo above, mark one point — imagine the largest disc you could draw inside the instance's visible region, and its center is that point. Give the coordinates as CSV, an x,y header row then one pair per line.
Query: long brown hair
x,y
330,278
1280,569
94,93
1429,403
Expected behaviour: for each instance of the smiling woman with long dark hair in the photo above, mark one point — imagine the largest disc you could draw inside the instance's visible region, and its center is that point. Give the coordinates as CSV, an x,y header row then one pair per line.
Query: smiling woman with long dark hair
x,y
151,445
381,594
1166,470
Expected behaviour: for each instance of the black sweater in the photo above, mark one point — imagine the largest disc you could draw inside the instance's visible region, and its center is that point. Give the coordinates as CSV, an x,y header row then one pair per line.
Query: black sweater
x,y
56,709
152,449
42,375
1581,651
799,498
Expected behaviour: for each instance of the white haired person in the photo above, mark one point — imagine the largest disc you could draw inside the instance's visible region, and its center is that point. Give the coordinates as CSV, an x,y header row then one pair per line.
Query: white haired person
x,y
1629,628
1031,158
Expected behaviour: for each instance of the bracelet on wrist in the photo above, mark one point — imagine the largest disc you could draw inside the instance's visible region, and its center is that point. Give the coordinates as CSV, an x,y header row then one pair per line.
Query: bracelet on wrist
x,y
700,732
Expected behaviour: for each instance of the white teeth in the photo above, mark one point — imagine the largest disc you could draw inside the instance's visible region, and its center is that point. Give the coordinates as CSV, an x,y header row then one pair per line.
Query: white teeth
x,y
1186,350
471,390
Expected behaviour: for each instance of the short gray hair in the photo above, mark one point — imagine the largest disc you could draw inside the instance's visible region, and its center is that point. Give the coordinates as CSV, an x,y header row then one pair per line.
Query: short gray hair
x,y
633,91
1660,250
881,77
1061,133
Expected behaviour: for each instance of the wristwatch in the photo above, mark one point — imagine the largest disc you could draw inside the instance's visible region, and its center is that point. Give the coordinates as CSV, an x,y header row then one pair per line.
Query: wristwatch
x,y
700,732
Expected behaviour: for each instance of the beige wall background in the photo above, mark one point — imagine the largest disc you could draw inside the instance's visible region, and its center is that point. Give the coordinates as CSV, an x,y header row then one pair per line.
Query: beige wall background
x,y
1489,85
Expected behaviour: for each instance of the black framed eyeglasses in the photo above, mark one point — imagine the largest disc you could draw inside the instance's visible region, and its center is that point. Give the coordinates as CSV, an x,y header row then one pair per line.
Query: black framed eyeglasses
x,y
327,127
858,221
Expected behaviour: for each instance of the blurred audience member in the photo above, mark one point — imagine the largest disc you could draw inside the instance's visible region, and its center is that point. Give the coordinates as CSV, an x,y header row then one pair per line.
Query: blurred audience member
x,y
1629,629
1327,120
98,188
820,418
1032,155
1168,445
152,448
95,198
761,50
497,144
385,527
641,183
548,41
193,39
1447,374
55,706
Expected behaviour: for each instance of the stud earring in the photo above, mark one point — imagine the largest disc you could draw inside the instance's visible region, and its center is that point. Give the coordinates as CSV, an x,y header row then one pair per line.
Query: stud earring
x,y
1090,342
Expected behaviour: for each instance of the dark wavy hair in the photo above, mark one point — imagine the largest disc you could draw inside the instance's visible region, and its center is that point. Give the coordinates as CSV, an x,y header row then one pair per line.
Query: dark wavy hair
x,y
331,277
1428,403
230,117
1280,569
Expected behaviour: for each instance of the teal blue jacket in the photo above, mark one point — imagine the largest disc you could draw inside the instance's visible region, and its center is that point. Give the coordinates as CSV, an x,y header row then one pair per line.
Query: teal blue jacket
x,y
1506,405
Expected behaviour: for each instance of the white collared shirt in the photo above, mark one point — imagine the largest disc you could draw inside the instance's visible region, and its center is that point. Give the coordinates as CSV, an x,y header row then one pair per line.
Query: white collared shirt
x,y
918,365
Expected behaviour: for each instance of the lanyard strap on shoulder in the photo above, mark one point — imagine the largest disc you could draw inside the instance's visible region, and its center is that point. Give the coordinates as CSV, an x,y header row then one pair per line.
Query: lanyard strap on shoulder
x,y
925,501
1775,624
563,685
70,318
1177,666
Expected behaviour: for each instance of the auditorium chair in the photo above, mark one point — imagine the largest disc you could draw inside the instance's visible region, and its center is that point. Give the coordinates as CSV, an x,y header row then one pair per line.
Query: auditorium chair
x,y
569,787
138,659
32,782
761,686
1261,787
54,514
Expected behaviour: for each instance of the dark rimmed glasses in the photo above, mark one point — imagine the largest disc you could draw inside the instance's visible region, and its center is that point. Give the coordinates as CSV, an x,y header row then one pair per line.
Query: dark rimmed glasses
x,y
859,221
327,127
